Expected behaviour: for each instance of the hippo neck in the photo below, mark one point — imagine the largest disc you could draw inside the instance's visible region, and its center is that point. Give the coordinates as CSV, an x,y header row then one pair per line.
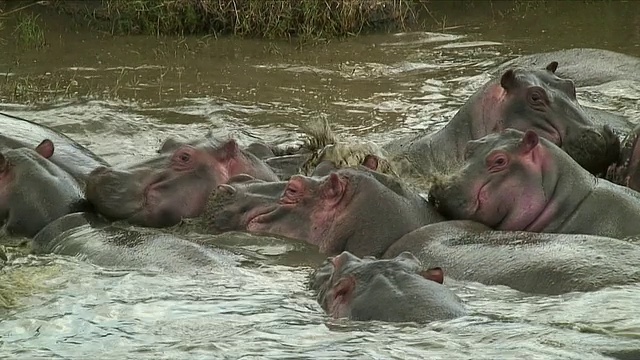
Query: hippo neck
x,y
475,119
569,189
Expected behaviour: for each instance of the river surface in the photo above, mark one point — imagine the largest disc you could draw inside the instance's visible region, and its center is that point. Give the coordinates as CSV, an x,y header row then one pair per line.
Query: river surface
x,y
122,96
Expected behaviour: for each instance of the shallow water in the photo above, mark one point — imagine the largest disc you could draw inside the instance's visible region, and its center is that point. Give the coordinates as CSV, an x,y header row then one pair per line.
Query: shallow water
x,y
121,97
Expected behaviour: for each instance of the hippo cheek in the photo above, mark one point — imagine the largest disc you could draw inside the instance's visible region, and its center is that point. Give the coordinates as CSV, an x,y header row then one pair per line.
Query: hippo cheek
x,y
338,300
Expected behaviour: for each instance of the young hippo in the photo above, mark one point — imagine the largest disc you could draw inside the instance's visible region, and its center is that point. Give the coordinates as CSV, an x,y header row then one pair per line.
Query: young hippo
x,y
349,209
396,290
520,181
159,192
34,191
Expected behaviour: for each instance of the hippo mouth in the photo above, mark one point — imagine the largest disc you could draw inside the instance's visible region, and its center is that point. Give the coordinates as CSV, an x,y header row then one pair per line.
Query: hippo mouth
x,y
478,203
256,218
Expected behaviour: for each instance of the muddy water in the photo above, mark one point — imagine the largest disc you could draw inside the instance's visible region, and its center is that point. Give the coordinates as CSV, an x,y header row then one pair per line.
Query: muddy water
x,y
121,97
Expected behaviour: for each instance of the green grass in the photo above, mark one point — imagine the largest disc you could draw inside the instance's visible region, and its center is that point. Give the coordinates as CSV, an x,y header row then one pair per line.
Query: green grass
x,y
28,32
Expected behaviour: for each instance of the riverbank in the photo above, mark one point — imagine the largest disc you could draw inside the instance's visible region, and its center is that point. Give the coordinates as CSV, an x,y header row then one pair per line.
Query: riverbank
x,y
72,50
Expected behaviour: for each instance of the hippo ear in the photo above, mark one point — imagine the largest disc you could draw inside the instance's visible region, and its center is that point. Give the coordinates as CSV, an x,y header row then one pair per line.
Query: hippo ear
x,y
169,144
508,80
45,148
334,187
553,66
530,140
230,149
371,161
434,274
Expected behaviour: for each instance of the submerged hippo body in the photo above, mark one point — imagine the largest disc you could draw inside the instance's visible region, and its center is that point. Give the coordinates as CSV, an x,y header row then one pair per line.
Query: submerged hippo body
x,y
35,191
93,239
175,184
585,66
350,209
521,99
520,181
538,263
69,155
388,290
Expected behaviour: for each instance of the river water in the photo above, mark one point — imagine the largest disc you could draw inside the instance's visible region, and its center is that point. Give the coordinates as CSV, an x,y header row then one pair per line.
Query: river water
x,y
122,96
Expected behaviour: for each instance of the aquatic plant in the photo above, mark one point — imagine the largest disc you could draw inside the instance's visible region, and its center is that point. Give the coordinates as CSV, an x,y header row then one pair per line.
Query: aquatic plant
x,y
28,32
247,18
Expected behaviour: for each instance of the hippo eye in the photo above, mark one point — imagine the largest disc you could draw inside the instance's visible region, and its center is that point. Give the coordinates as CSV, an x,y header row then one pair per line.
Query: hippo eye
x,y
185,157
498,162
537,96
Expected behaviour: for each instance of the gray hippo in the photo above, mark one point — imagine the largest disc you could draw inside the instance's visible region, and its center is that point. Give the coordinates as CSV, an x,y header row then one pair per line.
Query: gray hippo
x,y
341,211
69,155
585,66
95,240
395,290
626,171
520,99
520,181
540,263
173,185
34,191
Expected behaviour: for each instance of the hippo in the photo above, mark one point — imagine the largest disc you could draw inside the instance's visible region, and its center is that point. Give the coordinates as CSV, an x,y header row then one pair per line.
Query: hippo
x,y
537,263
585,66
626,171
34,191
520,99
92,238
70,156
173,185
518,180
393,290
341,211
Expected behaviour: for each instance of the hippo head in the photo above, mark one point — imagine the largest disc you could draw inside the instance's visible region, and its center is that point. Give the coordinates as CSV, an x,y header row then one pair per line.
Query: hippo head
x,y
173,185
348,209
508,181
395,289
541,101
626,171
34,191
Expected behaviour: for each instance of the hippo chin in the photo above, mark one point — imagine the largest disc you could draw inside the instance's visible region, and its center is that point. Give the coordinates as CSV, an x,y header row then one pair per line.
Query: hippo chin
x,y
395,290
161,191
539,263
520,99
520,181
34,191
352,209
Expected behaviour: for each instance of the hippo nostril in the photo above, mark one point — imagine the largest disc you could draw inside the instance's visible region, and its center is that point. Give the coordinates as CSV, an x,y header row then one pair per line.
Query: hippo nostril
x,y
226,188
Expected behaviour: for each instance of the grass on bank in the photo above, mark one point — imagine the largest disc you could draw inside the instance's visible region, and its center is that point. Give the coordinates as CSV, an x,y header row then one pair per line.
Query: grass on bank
x,y
28,32
247,18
